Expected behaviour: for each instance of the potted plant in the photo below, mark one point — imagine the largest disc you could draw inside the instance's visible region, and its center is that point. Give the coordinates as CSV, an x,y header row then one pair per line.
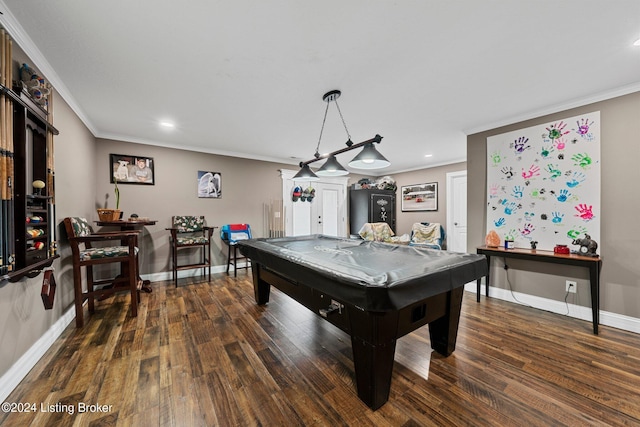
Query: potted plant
x,y
117,193
111,214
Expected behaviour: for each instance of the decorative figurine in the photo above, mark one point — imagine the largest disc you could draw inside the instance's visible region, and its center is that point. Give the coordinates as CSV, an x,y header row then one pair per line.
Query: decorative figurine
x,y
588,246
492,240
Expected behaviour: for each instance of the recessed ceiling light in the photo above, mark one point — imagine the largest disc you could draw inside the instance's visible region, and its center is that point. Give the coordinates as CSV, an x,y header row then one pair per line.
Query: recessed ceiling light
x,y
636,43
428,155
167,125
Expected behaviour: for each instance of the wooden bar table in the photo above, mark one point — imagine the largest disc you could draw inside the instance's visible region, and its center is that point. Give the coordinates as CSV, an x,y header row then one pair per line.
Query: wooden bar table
x,y
594,264
131,225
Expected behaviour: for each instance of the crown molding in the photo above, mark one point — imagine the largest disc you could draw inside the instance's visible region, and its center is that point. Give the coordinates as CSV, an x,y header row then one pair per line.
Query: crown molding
x,y
579,102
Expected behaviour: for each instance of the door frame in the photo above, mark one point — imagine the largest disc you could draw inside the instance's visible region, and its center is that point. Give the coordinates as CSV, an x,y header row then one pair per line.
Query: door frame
x,y
450,207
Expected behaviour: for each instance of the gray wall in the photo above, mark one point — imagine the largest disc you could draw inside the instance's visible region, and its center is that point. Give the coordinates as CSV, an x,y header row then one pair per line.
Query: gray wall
x,y
620,245
246,186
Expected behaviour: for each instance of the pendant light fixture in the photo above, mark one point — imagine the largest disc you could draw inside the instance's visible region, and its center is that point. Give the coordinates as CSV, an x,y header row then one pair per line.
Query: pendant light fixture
x,y
369,157
332,168
305,174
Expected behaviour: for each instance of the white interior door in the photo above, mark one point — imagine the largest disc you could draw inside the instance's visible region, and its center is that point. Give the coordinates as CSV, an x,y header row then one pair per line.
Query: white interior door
x,y
457,211
326,210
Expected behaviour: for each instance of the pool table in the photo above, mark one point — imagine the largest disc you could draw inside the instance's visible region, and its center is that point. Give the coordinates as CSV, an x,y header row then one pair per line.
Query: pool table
x,y
375,292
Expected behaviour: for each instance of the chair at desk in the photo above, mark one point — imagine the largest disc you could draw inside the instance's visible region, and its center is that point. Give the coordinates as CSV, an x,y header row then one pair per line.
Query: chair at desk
x,y
429,235
84,254
190,232
230,234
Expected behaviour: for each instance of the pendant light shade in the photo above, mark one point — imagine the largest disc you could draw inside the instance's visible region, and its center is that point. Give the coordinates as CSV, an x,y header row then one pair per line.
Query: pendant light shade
x,y
305,174
369,158
332,168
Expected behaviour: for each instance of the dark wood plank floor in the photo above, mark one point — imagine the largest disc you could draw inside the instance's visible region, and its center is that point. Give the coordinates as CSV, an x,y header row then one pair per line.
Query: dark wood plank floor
x,y
205,354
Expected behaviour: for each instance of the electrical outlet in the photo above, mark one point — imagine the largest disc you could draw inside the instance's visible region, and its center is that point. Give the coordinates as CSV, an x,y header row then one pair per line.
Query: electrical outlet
x,y
571,286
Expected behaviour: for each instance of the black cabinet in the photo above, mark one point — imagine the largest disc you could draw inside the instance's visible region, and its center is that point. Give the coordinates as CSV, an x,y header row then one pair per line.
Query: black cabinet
x,y
371,206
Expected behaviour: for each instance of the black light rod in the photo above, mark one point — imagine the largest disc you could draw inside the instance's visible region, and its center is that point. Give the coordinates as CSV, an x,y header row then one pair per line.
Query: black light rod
x,y
376,139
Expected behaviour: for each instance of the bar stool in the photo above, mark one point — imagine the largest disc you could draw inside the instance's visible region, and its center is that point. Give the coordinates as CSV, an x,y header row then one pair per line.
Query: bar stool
x,y
230,234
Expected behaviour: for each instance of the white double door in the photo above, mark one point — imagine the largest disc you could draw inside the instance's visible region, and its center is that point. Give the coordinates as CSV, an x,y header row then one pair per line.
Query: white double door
x,y
325,214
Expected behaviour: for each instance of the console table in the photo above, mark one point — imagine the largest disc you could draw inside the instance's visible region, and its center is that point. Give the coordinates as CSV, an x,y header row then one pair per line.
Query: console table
x,y
594,264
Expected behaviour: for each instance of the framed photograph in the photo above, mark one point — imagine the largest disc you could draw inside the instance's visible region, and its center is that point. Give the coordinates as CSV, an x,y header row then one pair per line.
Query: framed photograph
x,y
419,197
209,185
128,169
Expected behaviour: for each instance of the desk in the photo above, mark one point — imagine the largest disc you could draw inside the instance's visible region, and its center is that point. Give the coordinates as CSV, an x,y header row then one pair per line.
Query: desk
x,y
594,264
375,292
136,225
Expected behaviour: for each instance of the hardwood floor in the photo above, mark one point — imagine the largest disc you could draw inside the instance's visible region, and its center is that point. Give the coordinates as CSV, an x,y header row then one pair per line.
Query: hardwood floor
x,y
205,355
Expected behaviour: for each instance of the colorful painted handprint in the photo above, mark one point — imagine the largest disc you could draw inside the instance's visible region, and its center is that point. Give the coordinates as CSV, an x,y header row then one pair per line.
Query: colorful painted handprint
x,y
582,160
533,171
585,212
521,144
556,130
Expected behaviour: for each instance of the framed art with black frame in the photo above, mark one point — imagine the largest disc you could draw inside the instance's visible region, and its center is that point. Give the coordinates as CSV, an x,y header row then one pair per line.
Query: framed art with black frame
x,y
127,169
209,185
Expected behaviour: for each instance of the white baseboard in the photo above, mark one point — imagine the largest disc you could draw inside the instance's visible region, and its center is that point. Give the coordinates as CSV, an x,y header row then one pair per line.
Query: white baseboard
x,y
614,320
195,272
22,366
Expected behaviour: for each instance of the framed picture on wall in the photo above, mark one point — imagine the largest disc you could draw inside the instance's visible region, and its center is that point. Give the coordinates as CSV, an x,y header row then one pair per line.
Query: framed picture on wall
x,y
209,185
127,169
419,197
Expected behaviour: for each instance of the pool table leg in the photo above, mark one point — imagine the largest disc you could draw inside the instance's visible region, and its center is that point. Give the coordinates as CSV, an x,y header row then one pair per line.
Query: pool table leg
x,y
373,341
374,366
261,289
444,331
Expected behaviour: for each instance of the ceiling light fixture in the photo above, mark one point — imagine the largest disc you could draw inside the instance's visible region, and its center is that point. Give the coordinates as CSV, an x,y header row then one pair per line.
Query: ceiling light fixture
x,y
636,43
369,157
167,125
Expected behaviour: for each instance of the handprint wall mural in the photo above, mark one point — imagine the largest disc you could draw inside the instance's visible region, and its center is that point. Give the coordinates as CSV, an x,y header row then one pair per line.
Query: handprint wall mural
x,y
543,182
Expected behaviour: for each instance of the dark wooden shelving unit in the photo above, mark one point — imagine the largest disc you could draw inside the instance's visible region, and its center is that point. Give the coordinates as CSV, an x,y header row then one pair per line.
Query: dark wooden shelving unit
x,y
32,216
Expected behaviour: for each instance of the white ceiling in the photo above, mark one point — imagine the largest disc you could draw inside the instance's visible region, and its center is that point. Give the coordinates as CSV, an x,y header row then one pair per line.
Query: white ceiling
x,y
246,78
